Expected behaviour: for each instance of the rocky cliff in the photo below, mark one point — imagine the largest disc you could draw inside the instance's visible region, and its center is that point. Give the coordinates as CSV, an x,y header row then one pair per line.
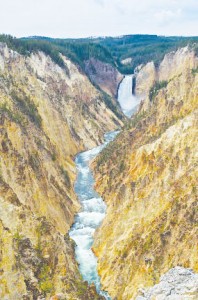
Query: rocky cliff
x,y
174,64
147,177
47,115
104,75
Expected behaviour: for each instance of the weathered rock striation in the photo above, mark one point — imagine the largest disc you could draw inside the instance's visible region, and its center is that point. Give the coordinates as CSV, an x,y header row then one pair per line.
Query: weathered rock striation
x,y
47,115
147,177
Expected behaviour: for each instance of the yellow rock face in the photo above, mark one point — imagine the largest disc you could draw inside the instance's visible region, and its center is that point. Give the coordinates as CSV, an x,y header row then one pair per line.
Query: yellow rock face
x,y
173,65
145,79
148,178
47,115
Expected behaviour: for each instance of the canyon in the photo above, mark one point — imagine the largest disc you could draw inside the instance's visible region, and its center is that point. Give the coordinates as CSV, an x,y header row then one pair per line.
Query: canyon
x,y
50,115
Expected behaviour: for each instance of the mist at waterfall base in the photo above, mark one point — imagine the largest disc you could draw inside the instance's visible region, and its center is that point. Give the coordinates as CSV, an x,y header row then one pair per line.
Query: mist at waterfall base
x,y
128,102
90,217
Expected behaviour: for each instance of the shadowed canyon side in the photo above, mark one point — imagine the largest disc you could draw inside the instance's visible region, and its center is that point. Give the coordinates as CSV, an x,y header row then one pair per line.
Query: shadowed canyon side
x,y
148,178
47,115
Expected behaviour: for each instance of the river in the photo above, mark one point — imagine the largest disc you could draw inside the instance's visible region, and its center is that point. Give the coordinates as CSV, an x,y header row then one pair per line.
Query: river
x,y
90,217
93,207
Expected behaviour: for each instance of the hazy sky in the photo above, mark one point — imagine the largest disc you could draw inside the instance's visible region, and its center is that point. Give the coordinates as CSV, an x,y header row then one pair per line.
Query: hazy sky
x,y
82,18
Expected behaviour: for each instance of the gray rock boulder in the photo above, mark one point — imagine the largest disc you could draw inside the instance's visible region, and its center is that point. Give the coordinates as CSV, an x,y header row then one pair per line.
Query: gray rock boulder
x,y
177,284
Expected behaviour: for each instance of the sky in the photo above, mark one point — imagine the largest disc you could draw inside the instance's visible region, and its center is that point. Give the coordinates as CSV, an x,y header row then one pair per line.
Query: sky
x,y
85,18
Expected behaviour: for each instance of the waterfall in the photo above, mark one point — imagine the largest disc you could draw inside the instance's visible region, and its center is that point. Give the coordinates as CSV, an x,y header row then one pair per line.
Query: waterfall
x,y
128,102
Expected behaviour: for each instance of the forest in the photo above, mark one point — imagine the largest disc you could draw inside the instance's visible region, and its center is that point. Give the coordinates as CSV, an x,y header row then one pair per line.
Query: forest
x,y
139,48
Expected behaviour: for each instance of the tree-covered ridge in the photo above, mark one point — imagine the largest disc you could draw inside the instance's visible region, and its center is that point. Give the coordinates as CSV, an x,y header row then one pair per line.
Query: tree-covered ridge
x,y
26,47
77,52
140,48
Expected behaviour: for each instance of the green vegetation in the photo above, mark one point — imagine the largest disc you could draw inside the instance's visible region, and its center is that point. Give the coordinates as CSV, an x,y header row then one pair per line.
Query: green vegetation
x,y
111,105
135,120
18,237
78,52
107,153
34,161
121,166
26,47
45,281
194,46
16,117
66,177
27,106
140,48
81,288
195,71
40,231
45,273
155,89
54,156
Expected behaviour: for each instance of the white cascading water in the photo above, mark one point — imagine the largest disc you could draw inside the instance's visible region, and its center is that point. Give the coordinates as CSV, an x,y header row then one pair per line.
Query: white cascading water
x,y
128,102
93,208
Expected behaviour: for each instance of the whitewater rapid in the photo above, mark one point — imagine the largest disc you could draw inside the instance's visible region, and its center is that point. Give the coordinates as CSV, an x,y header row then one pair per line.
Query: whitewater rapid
x,y
90,217
128,102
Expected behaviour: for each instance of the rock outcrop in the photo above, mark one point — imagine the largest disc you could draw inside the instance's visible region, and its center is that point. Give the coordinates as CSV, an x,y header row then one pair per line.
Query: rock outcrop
x,y
145,78
177,284
47,115
147,177
173,65
103,75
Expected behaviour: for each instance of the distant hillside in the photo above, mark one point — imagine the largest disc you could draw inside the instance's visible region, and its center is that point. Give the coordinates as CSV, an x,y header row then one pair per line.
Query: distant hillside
x,y
140,48
113,50
77,52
